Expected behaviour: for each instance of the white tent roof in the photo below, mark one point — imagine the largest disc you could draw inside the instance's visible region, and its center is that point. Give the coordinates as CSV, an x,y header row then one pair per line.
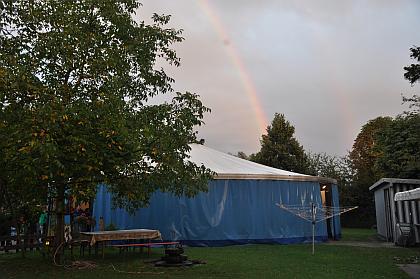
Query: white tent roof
x,y
228,166
408,195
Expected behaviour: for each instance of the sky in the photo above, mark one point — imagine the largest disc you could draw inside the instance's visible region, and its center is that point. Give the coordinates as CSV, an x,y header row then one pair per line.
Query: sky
x,y
329,66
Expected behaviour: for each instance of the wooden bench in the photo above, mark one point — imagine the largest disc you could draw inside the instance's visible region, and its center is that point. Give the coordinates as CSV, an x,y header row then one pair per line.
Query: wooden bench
x,y
149,245
16,243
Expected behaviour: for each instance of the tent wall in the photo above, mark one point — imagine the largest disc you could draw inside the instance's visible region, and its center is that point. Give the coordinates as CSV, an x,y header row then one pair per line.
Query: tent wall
x,y
231,212
336,226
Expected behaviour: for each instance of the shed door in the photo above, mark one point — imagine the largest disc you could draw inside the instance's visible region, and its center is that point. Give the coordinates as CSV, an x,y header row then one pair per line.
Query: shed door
x,y
388,217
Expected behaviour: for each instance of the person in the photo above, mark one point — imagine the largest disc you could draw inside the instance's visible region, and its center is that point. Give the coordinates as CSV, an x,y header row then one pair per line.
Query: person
x,y
42,221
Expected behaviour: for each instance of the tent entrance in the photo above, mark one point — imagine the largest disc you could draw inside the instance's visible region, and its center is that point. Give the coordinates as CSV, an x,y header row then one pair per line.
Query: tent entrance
x,y
326,198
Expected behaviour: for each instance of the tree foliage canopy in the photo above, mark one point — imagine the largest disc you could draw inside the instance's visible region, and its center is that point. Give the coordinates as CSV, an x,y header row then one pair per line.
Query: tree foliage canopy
x,y
364,154
361,162
399,144
280,149
400,141
75,78
385,147
324,165
412,74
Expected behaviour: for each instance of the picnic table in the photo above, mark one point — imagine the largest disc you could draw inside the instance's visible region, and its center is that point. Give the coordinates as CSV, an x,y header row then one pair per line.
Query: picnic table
x,y
135,234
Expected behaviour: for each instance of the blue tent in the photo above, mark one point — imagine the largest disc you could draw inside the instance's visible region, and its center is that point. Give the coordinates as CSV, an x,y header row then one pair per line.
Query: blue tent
x,y
239,207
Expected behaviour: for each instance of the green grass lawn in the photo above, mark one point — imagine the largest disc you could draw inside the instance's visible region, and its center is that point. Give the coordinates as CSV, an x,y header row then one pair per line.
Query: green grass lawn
x,y
249,261
358,234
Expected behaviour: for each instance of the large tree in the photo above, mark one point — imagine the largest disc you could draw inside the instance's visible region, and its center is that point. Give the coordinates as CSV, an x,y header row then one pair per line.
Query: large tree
x,y
280,149
75,78
387,147
412,74
364,153
364,156
399,145
400,142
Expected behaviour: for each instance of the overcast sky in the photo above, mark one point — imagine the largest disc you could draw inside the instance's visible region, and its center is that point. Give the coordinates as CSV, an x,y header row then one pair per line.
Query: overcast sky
x,y
329,66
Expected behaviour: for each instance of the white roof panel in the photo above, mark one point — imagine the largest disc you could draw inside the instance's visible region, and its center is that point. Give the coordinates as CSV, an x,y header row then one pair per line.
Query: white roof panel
x,y
408,195
229,166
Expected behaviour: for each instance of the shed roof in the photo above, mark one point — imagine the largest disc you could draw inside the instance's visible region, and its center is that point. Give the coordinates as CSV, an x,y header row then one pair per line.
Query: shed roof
x,y
382,181
230,167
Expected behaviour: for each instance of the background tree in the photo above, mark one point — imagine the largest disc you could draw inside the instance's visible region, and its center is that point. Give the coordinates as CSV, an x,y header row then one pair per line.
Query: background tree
x,y
75,77
363,157
412,74
400,142
242,155
364,154
339,168
280,149
386,147
399,145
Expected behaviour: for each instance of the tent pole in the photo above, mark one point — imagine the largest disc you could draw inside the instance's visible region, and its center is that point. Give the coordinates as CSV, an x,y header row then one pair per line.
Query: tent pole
x,y
313,211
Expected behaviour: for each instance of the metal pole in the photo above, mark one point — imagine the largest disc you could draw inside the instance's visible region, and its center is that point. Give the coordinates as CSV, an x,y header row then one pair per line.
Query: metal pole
x,y
313,211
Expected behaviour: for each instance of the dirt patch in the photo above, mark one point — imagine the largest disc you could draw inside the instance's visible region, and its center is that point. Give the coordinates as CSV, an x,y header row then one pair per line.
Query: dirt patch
x,y
413,270
371,244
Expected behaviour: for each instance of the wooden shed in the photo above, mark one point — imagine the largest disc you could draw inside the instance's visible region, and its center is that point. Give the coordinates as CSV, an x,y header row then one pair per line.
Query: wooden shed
x,y
391,214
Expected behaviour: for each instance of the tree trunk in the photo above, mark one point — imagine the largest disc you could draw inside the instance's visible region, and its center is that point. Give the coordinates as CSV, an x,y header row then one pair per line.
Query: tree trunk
x,y
59,229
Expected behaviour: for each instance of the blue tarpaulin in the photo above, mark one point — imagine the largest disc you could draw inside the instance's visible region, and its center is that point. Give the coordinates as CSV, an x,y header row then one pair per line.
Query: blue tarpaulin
x,y
336,226
231,212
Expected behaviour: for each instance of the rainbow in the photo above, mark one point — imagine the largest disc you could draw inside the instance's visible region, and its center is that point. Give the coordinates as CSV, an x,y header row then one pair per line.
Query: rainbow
x,y
233,53
338,93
